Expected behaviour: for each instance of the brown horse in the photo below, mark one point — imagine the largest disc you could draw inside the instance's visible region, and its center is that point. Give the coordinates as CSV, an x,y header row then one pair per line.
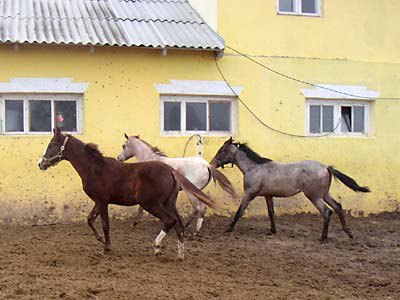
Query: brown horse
x,y
153,185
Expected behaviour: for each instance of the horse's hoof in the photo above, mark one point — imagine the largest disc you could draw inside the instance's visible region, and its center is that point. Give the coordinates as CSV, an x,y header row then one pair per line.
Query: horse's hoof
x,y
229,230
107,248
324,240
157,250
181,257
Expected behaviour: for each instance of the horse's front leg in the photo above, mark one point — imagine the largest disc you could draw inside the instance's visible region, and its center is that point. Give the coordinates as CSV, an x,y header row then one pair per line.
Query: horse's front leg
x,y
91,219
271,213
103,208
138,217
243,205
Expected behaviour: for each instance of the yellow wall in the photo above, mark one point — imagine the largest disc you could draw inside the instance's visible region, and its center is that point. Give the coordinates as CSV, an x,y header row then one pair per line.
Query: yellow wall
x,y
345,47
364,30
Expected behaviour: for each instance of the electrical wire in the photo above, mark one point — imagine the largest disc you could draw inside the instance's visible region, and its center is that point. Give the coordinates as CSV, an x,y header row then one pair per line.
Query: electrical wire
x,y
306,82
261,121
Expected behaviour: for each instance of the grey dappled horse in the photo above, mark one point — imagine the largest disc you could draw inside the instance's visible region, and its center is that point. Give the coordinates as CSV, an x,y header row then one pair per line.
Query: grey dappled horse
x,y
264,177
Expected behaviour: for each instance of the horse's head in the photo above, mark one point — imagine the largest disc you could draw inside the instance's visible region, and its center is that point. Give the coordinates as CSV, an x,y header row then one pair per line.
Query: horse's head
x,y
225,154
128,149
54,151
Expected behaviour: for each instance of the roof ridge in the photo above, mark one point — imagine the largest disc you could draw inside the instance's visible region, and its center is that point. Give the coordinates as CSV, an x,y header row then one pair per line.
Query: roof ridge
x,y
168,20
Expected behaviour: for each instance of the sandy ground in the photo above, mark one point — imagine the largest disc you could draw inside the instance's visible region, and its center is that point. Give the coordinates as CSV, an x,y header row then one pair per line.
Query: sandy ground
x,y
66,262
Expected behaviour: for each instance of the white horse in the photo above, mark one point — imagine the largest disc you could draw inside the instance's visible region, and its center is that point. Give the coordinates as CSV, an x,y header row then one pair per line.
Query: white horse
x,y
196,169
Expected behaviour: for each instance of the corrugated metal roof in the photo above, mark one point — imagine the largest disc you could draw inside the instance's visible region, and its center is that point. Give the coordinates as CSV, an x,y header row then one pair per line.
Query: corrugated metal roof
x,y
148,23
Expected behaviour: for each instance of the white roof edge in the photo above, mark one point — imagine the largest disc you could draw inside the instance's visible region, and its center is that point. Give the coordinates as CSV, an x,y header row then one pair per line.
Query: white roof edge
x,y
43,85
198,87
353,92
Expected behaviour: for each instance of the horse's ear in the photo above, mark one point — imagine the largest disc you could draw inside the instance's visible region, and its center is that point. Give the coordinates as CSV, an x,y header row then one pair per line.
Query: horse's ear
x,y
126,136
57,131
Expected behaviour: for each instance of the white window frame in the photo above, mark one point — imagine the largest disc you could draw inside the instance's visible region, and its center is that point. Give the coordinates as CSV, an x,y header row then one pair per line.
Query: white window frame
x,y
337,122
297,8
183,99
78,98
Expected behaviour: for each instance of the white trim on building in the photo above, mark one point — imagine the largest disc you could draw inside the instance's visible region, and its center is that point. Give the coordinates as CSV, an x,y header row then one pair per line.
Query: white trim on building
x,y
205,92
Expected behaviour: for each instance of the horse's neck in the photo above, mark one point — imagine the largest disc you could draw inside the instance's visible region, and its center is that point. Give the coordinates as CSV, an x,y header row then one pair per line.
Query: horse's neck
x,y
74,152
244,163
145,153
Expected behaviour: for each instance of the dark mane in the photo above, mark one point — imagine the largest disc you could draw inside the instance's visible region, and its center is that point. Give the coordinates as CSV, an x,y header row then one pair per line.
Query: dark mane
x,y
156,150
254,156
93,151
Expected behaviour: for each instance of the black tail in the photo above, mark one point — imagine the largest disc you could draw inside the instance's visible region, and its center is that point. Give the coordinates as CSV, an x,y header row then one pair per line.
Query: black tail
x,y
348,181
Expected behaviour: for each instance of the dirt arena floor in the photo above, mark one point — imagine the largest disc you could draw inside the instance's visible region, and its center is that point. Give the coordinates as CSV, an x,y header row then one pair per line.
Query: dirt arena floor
x,y
66,262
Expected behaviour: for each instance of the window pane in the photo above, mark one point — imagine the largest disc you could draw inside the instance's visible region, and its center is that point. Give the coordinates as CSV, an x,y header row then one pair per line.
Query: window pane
x,y
327,118
39,115
286,5
346,119
359,119
65,115
309,6
14,115
315,118
172,116
196,116
220,116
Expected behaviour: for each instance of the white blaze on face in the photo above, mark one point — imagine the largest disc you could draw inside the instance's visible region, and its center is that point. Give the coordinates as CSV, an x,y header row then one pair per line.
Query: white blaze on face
x,y
41,158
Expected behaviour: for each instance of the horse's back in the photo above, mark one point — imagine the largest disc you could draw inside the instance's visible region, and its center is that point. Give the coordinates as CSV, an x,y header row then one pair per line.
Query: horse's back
x,y
287,179
193,168
152,168
298,166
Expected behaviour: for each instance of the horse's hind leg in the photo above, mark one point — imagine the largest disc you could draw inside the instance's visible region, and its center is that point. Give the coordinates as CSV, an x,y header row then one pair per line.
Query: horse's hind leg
x,y
91,219
326,213
167,220
180,231
137,218
199,210
194,202
170,206
191,218
338,209
271,213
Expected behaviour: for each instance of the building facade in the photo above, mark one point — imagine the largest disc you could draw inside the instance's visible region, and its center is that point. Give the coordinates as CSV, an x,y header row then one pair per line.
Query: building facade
x,y
321,76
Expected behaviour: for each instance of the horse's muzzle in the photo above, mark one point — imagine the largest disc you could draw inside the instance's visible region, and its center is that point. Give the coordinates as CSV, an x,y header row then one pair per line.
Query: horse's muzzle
x,y
121,158
43,166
